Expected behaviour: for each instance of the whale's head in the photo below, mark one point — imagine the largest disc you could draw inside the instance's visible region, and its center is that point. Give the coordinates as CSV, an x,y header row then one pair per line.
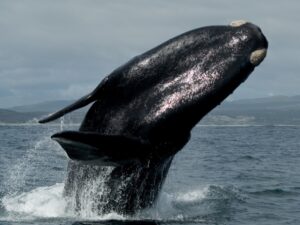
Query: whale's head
x,y
200,69
158,97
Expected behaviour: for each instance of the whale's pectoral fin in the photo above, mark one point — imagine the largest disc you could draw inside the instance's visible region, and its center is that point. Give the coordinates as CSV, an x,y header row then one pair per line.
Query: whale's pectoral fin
x,y
85,100
106,149
76,105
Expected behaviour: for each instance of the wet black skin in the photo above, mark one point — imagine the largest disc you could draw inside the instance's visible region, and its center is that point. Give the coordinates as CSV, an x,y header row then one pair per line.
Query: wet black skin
x,y
143,112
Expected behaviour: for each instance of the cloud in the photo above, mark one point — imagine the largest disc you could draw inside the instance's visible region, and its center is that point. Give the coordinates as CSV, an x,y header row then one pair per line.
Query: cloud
x,y
75,91
59,49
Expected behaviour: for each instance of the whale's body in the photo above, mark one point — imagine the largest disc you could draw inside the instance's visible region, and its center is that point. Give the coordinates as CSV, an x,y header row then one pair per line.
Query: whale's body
x,y
143,111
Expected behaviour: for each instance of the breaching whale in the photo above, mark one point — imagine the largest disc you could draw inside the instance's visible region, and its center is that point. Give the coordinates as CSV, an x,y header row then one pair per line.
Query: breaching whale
x,y
143,112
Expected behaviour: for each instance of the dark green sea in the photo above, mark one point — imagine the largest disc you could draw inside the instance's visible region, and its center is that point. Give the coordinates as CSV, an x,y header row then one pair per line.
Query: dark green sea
x,y
224,175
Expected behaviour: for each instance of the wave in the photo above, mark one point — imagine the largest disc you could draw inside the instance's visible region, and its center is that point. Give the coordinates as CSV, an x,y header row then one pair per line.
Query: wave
x,y
48,202
273,192
40,202
20,202
248,125
249,157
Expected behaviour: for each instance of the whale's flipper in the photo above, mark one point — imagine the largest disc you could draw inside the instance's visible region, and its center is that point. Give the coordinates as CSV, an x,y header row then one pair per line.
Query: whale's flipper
x,y
105,149
83,101
76,105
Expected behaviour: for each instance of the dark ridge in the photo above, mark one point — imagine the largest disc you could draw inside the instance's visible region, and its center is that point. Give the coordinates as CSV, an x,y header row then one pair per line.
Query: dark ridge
x,y
272,192
10,116
118,222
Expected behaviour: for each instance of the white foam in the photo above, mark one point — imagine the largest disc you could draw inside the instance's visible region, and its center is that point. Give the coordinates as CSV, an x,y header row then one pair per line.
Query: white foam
x,y
46,202
192,196
24,166
109,216
166,207
40,202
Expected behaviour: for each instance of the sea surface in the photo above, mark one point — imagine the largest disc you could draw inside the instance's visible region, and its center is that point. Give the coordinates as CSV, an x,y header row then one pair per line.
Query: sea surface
x,y
224,175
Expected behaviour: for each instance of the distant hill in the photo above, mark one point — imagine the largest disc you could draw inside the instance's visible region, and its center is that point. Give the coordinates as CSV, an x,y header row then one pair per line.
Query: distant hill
x,y
262,111
272,103
10,116
33,112
49,106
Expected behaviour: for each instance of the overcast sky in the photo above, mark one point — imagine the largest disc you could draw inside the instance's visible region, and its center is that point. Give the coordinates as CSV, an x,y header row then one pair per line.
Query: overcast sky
x,y
53,50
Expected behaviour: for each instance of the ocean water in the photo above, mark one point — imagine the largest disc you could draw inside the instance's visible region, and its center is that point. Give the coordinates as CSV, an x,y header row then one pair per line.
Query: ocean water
x,y
224,175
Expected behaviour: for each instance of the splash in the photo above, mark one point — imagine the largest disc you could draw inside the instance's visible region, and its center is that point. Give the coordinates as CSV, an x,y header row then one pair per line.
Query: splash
x,y
196,205
126,189
49,202
177,206
24,167
25,201
40,202
86,189
62,123
194,196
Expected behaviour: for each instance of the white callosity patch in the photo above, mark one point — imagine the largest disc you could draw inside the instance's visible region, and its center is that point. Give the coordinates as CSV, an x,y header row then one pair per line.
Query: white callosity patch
x,y
238,23
257,56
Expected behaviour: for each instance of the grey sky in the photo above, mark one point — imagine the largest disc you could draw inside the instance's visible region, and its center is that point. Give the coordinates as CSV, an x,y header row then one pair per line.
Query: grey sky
x,y
62,49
